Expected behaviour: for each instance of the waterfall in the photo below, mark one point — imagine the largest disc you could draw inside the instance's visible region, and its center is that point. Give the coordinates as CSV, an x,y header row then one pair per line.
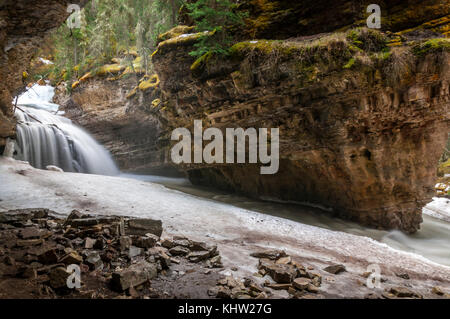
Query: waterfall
x,y
46,138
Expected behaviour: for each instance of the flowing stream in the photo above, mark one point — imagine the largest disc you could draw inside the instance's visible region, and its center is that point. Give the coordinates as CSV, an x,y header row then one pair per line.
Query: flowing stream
x,y
44,137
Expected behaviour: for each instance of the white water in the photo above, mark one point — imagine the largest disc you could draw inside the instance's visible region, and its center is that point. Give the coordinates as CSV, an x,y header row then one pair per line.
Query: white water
x,y
44,138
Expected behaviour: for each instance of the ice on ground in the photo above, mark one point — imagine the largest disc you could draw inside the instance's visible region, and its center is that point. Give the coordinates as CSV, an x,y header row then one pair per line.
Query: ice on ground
x,y
237,231
438,208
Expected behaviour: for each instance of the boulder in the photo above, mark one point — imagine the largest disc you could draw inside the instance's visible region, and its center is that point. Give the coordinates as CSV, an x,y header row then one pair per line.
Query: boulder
x,y
58,277
147,241
179,251
94,261
133,276
335,269
72,258
143,226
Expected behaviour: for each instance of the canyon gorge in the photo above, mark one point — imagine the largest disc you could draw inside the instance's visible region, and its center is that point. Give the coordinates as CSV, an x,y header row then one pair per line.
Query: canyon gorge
x,y
363,117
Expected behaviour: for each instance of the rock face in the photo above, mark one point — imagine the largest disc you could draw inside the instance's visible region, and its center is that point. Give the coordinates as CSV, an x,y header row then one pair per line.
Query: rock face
x,y
126,127
281,19
23,26
362,125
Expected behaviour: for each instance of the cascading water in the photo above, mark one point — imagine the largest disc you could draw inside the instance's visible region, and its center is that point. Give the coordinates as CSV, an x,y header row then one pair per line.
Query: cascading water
x,y
45,138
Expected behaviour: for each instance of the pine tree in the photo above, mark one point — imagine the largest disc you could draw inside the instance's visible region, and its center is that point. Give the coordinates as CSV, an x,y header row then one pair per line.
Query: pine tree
x,y
214,16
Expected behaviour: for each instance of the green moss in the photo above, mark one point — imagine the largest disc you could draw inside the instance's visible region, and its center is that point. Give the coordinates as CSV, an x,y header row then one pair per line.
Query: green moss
x,y
175,32
368,40
432,46
350,63
198,67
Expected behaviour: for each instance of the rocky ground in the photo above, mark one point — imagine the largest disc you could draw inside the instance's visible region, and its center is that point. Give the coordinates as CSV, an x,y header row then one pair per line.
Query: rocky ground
x,y
126,258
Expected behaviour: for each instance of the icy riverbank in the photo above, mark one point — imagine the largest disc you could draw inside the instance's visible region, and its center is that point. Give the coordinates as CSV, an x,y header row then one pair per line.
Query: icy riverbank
x,y
236,231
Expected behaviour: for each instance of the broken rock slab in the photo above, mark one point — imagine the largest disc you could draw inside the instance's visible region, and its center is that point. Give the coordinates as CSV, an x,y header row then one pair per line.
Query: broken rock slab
x,y
143,226
133,276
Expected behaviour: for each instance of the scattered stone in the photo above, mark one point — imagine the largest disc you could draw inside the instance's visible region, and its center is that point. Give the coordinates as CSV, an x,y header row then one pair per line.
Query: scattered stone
x,y
147,241
183,243
29,242
403,276
269,254
214,262
301,283
197,256
48,257
335,269
134,252
279,286
179,251
125,243
94,261
72,258
167,243
9,261
83,222
284,260
58,277
402,292
100,243
89,243
224,293
133,276
438,291
30,233
142,227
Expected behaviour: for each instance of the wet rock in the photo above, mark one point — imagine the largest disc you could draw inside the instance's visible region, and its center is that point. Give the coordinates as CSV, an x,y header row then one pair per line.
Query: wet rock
x,y
269,254
83,222
183,243
8,260
165,260
301,283
284,260
279,286
148,241
143,226
100,243
72,258
125,243
402,292
224,293
198,256
29,242
279,272
30,233
94,261
89,243
58,277
403,276
167,243
335,269
133,276
48,257
134,251
73,215
179,251
27,272
214,262
438,291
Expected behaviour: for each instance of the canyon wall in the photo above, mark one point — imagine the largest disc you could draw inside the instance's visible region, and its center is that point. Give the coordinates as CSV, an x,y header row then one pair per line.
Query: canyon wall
x,y
23,27
363,117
